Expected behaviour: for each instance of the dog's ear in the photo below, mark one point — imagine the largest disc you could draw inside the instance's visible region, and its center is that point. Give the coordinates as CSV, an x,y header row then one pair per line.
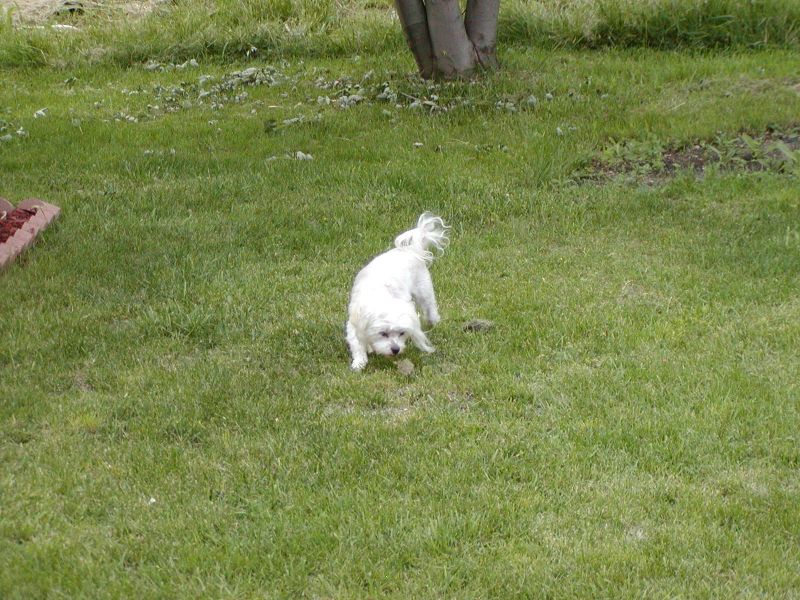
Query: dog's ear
x,y
421,341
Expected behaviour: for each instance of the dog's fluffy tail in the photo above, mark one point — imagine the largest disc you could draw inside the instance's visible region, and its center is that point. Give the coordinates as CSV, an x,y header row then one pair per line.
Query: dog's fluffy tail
x,y
430,232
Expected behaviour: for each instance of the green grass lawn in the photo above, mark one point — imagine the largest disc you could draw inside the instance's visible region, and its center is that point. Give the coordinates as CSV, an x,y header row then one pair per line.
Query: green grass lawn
x,y
177,416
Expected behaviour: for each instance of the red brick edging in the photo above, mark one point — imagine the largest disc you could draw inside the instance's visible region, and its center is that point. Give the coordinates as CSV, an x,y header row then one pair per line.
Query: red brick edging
x,y
24,236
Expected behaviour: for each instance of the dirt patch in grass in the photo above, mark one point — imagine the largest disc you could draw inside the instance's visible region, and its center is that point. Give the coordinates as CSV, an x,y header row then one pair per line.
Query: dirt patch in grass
x,y
36,12
651,160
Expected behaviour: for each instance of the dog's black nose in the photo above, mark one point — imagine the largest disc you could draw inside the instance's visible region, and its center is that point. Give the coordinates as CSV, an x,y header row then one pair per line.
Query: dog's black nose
x,y
395,350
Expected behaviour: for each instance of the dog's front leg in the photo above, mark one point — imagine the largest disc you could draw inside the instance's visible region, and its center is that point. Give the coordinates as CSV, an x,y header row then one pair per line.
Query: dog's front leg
x,y
357,349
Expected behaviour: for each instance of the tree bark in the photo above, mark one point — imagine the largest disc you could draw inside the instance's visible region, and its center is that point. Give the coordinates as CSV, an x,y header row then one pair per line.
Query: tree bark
x,y
414,21
452,50
481,26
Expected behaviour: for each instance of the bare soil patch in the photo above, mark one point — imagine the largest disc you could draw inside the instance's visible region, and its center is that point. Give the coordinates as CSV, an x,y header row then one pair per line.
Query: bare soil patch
x,y
37,12
776,150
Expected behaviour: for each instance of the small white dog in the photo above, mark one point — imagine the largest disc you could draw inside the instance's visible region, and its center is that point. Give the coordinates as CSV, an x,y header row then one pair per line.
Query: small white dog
x,y
387,292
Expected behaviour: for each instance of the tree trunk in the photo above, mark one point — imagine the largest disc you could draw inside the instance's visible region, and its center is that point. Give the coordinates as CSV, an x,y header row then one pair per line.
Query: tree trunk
x,y
452,49
444,45
415,26
481,26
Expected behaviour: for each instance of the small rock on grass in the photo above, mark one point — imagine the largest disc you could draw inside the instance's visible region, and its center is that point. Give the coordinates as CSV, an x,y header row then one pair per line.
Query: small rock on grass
x,y
478,325
405,366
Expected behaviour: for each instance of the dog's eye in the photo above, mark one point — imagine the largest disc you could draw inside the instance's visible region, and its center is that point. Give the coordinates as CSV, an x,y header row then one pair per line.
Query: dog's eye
x,y
385,333
402,333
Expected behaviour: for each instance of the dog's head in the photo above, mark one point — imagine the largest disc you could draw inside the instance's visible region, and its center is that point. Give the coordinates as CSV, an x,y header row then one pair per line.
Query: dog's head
x,y
388,336
390,329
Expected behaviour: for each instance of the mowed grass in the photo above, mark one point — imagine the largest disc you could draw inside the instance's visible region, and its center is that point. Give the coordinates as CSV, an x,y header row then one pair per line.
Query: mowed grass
x,y
177,416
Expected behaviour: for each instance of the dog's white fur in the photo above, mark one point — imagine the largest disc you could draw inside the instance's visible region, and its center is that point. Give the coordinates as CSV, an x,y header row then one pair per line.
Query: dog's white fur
x,y
388,291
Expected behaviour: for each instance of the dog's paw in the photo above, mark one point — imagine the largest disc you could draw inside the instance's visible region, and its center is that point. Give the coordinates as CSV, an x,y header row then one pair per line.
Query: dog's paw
x,y
429,349
358,364
433,320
